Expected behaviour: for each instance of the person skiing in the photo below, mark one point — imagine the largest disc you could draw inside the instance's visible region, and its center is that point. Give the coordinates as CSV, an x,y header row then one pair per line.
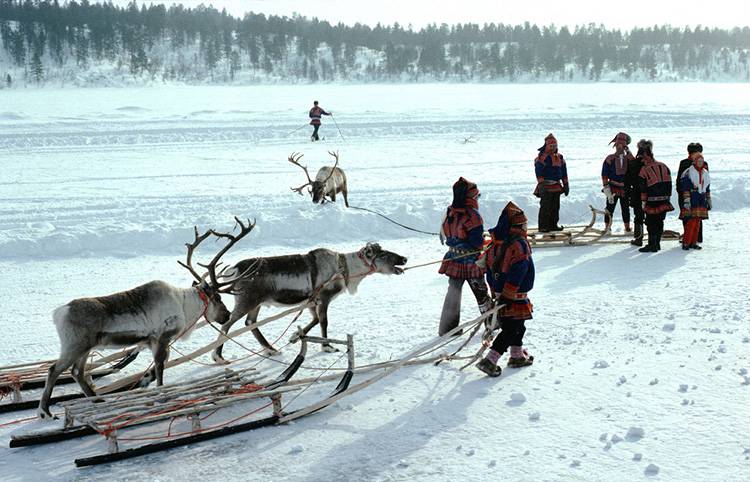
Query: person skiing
x,y
510,274
694,149
656,189
462,230
315,114
614,169
552,180
695,200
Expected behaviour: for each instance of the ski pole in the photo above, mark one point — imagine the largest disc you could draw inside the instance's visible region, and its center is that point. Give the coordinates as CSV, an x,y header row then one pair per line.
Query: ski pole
x,y
337,127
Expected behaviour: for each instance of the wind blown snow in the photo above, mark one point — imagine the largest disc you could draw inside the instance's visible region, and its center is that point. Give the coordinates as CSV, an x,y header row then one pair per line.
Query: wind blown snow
x,y
641,359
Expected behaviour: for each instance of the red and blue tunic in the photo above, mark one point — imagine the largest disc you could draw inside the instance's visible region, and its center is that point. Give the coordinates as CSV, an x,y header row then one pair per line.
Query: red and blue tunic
x,y
656,186
512,276
695,185
463,229
613,172
315,114
550,170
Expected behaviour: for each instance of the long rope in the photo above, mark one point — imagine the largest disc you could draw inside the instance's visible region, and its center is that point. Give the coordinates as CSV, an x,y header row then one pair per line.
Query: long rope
x,y
337,127
394,222
298,128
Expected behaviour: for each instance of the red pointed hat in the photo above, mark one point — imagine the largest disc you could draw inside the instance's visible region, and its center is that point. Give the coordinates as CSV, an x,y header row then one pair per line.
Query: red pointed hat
x,y
516,215
621,138
550,139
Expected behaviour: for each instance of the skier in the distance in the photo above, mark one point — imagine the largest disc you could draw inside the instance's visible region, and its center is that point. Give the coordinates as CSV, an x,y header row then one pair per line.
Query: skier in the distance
x,y
510,274
315,114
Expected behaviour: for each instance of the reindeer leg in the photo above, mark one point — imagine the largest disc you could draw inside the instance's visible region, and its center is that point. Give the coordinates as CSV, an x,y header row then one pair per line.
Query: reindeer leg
x,y
54,372
238,312
79,373
161,353
252,317
323,316
346,198
315,320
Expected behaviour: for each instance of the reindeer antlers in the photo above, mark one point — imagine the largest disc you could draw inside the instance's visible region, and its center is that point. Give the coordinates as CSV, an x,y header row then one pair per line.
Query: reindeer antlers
x,y
211,267
333,169
295,160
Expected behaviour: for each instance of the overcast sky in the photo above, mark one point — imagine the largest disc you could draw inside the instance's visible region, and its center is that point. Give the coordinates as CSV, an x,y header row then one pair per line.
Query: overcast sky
x,y
623,14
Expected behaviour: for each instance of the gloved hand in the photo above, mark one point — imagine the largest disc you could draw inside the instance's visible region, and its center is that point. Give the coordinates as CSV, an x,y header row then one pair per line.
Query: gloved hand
x,y
708,203
608,192
686,203
566,189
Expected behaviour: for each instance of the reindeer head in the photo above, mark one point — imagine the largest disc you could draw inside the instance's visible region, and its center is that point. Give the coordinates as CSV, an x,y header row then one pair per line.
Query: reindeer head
x,y
211,288
384,262
317,187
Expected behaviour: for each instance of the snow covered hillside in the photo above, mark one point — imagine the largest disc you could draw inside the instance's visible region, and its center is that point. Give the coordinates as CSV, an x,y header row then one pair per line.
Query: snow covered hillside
x,y
642,359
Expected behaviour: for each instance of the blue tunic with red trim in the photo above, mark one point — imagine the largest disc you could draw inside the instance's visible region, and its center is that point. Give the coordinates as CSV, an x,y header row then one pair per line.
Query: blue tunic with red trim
x,y
656,187
614,168
697,190
551,170
515,276
463,229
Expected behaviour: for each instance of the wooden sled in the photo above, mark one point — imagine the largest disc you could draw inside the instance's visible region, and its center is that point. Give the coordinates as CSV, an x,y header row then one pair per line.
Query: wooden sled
x,y
586,234
15,379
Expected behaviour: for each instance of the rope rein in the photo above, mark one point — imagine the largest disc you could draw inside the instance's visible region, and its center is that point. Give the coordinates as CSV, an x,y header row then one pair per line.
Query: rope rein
x,y
393,221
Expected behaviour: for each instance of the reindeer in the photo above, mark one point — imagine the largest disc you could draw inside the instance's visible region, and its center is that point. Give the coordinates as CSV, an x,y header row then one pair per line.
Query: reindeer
x,y
328,182
321,275
154,314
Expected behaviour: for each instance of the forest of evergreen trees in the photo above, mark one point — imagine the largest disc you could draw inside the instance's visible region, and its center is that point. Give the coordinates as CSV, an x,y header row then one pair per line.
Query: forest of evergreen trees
x,y
44,40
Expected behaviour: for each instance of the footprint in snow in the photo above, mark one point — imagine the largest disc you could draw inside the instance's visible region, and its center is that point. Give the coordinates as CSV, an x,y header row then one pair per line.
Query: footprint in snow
x,y
651,469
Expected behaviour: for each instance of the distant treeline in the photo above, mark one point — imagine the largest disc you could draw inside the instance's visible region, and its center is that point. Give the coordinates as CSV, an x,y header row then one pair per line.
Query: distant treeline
x,y
45,39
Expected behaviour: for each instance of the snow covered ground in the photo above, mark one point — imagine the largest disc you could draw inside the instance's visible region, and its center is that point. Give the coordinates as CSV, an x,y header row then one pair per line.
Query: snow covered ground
x,y
643,360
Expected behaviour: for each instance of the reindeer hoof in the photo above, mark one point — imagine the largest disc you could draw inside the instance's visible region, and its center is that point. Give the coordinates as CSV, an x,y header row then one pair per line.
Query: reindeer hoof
x,y
219,360
329,348
45,414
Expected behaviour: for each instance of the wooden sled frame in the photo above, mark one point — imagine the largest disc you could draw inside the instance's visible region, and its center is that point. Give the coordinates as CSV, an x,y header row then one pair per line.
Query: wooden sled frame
x,y
586,234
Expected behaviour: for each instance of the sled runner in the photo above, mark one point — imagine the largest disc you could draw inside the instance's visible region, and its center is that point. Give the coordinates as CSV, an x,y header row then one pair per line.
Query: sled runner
x,y
585,234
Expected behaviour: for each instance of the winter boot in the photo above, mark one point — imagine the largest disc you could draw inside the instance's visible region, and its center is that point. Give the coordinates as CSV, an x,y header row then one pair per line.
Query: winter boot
x,y
685,247
488,364
695,246
519,357
638,235
650,247
658,242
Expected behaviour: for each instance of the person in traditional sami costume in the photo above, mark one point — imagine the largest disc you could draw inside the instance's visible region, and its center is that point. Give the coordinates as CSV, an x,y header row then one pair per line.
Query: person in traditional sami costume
x,y
614,169
462,230
695,199
510,274
633,195
656,189
552,180
694,149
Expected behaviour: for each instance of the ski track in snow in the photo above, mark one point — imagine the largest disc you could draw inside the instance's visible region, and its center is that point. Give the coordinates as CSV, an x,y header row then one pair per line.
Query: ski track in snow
x,y
642,360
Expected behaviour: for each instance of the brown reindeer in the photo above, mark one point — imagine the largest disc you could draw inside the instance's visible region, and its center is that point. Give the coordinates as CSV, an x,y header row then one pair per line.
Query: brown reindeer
x,y
328,182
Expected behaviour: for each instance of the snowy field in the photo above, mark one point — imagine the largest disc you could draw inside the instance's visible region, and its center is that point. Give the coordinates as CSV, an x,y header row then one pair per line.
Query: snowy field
x,y
642,359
